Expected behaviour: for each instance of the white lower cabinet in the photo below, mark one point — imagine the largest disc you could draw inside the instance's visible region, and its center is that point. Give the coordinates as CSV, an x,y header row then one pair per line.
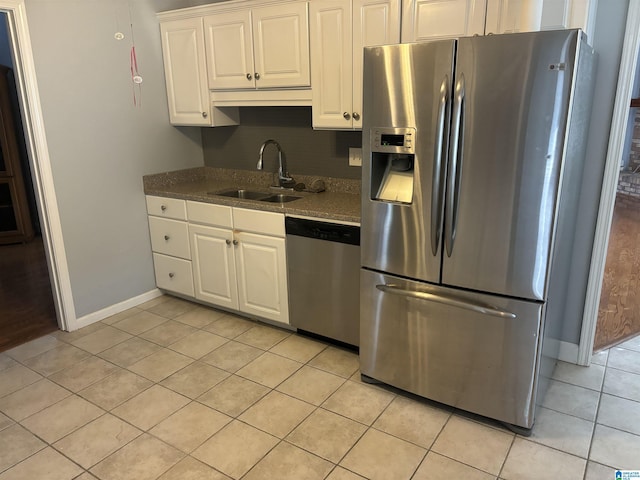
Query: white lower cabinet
x,y
232,258
214,268
262,276
170,244
173,274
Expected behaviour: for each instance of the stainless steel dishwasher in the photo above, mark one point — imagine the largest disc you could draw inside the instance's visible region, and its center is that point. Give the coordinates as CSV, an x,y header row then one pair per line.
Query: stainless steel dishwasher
x,y
323,264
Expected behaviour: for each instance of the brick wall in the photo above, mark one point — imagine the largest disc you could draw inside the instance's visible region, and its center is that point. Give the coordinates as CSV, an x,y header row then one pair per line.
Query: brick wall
x,y
634,157
629,182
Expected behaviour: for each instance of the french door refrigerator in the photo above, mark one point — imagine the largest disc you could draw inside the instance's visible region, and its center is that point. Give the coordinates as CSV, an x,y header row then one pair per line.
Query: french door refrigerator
x,y
472,165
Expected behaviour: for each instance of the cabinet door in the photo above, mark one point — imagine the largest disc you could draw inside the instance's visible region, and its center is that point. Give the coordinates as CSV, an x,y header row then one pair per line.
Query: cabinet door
x,y
262,276
185,72
229,50
331,51
434,19
214,270
170,237
559,14
375,22
281,45
510,16
173,274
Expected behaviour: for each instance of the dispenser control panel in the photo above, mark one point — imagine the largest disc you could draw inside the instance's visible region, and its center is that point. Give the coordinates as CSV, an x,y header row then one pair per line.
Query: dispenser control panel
x,y
393,140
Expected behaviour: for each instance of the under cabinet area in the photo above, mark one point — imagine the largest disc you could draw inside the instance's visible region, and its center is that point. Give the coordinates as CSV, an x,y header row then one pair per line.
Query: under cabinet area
x,y
225,256
339,30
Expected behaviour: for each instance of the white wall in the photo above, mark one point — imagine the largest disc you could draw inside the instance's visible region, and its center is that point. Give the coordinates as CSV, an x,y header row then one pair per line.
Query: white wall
x,y
99,143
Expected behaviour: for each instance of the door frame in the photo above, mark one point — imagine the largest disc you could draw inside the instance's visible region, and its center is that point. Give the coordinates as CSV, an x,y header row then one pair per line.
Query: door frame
x,y
617,136
40,162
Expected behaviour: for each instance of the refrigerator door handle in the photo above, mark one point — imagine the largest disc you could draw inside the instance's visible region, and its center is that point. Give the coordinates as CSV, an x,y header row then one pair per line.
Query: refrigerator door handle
x,y
447,300
453,193
436,190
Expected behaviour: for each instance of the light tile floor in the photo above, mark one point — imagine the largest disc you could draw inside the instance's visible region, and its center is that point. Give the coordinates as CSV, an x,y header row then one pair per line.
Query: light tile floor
x,y
172,390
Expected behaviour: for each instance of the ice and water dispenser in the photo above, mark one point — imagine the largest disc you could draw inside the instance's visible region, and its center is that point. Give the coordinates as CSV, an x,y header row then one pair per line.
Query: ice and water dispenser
x,y
392,164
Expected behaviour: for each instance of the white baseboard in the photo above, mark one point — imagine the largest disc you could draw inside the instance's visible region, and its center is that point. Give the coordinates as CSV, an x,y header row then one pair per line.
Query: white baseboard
x,y
117,308
568,352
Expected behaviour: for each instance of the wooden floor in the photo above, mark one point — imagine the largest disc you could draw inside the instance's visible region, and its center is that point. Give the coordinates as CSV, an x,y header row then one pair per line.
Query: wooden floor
x,y
26,301
619,314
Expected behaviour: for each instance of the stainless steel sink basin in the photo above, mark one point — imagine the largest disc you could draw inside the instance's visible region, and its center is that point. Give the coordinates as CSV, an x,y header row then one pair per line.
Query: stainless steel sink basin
x,y
259,196
241,193
280,198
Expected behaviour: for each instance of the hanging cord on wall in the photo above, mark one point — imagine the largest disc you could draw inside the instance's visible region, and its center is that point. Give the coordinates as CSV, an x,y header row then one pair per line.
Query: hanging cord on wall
x,y
136,78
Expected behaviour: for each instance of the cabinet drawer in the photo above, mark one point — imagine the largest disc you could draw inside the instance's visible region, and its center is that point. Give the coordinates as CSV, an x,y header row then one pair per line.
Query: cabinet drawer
x,y
167,207
256,221
173,274
209,214
170,237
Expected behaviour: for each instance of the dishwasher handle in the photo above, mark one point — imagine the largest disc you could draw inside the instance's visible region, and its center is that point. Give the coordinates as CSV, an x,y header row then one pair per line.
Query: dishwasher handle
x,y
330,232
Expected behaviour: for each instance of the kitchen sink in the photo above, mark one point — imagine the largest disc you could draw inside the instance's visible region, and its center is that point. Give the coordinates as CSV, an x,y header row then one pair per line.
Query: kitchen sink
x,y
260,196
280,198
241,193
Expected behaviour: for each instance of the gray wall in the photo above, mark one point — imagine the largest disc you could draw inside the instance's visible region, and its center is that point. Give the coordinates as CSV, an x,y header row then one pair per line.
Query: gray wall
x,y
607,40
100,144
308,151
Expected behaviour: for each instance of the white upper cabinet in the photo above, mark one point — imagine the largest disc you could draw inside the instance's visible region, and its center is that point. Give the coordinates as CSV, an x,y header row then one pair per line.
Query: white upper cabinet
x,y
261,47
339,30
507,16
185,71
230,51
281,46
436,19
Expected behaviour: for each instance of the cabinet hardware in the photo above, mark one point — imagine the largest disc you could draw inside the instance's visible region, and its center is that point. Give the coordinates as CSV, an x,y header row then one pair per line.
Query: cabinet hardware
x,y
228,241
166,237
163,207
204,114
346,116
356,116
257,75
171,275
249,77
235,242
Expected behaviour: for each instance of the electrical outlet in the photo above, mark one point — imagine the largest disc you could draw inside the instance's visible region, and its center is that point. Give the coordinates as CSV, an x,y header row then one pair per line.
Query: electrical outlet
x,y
355,157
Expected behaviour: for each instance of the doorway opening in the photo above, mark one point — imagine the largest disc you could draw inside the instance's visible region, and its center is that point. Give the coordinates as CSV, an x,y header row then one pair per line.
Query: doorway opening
x,y
619,309
27,308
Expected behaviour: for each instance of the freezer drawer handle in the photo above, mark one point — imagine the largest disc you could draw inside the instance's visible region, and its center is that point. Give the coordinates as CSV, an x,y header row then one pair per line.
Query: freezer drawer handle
x,y
447,300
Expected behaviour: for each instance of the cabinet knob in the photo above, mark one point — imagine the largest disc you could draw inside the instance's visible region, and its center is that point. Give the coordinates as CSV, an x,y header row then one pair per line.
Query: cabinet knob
x,y
356,116
346,116
166,237
249,77
163,207
235,242
205,114
228,241
257,75
171,275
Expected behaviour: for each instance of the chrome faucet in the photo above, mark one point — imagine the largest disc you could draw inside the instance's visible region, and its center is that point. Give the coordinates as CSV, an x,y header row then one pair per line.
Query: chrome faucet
x,y
284,180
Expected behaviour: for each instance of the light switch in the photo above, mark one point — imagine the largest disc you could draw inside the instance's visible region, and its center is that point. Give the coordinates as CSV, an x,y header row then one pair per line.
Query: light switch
x,y
355,157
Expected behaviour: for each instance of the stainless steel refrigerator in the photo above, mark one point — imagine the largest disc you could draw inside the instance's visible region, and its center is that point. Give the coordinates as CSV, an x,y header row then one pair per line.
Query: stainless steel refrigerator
x,y
472,164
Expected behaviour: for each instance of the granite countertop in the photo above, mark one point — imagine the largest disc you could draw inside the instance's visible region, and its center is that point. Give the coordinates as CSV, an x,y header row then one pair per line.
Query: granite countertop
x,y
340,201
